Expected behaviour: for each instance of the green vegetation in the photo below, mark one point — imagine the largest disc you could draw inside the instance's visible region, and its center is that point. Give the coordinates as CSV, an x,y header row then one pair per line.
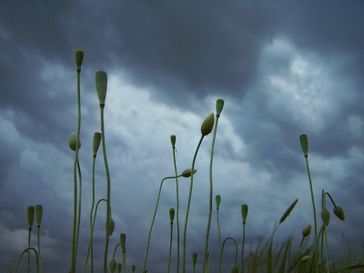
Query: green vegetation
x,y
311,255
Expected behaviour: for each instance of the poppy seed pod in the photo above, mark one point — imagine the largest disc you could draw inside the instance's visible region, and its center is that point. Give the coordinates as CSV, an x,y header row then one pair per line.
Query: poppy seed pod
x,y
306,231
112,265
339,212
288,211
101,86
219,106
110,225
325,216
304,144
38,214
218,201
123,242
72,142
194,258
171,215
173,140
244,212
79,58
188,172
234,268
207,124
96,142
30,216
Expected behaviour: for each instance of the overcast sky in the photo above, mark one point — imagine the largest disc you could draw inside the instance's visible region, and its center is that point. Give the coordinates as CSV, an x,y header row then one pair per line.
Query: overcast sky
x,y
282,68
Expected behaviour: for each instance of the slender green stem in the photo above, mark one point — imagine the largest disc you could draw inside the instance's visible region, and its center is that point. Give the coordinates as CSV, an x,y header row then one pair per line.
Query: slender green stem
x,y
124,262
177,207
115,249
79,204
170,247
207,236
108,206
242,249
188,209
92,209
20,257
332,200
314,213
153,219
28,254
38,243
218,230
222,252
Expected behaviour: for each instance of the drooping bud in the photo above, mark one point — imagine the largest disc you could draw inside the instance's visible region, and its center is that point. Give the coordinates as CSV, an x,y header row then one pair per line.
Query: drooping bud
x,y
288,211
123,242
30,216
218,201
306,231
194,258
188,172
101,86
110,225
112,265
173,140
339,212
96,142
38,214
244,212
234,268
72,142
219,106
171,215
79,58
207,124
325,216
304,144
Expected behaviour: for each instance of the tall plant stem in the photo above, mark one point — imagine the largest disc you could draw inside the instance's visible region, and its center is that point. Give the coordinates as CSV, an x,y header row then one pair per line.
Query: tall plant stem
x,y
177,206
218,230
29,235
242,249
153,220
207,236
78,204
170,247
188,208
314,214
75,195
38,244
108,206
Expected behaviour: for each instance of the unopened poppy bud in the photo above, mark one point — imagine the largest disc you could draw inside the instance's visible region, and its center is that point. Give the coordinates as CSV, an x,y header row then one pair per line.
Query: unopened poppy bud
x,y
123,242
30,216
234,268
188,172
219,106
110,225
325,216
79,58
288,211
244,212
96,142
207,125
339,212
112,265
171,215
173,140
218,201
101,86
304,144
133,267
306,231
72,142
38,214
194,258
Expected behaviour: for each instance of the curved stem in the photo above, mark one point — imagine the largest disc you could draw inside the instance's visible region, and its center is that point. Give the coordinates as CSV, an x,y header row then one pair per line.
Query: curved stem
x,y
21,255
115,249
207,236
188,209
177,207
222,251
153,219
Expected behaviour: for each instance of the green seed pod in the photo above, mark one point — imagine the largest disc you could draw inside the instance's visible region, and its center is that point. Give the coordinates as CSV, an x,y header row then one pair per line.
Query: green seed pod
x,y
72,140
244,212
173,140
112,265
101,86
325,216
133,267
110,227
207,124
219,106
339,212
288,211
119,267
38,214
305,259
304,144
234,268
30,216
123,242
194,258
79,58
306,231
218,201
96,142
188,172
171,215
